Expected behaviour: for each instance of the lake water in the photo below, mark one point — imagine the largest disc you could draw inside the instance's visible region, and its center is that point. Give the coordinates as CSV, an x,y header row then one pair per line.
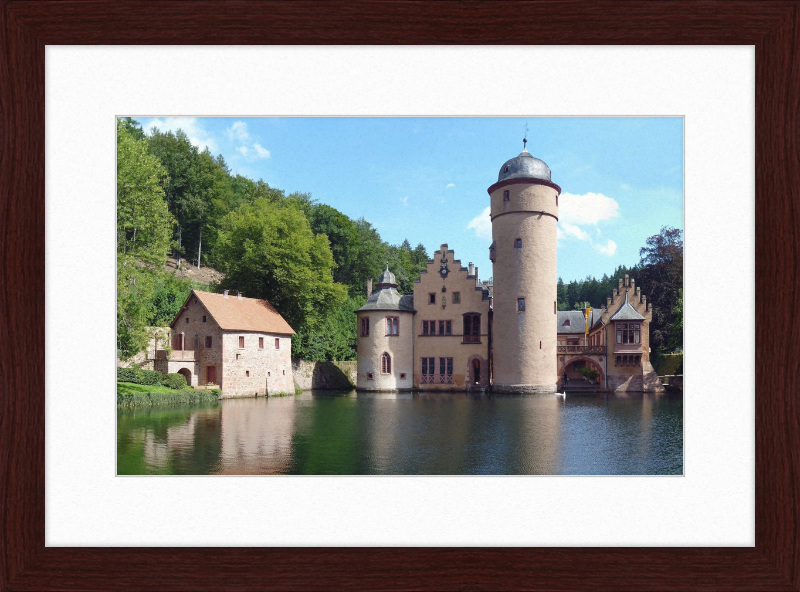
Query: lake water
x,y
323,433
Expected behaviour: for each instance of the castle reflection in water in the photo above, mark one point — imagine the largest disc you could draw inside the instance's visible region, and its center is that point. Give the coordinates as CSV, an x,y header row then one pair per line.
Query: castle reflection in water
x,y
402,433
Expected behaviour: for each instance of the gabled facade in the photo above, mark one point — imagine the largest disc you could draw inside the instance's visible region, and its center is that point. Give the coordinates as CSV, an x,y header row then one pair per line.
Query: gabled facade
x,y
452,326
241,345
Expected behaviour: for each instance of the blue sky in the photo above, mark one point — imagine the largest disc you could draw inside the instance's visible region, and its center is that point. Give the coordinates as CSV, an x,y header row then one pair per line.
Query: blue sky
x,y
425,179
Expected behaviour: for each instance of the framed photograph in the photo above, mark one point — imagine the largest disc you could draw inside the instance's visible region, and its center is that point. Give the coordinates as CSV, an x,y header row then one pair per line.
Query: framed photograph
x,y
33,559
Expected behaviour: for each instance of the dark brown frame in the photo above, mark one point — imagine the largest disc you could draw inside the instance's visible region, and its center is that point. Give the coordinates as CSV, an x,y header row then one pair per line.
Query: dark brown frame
x,y
773,27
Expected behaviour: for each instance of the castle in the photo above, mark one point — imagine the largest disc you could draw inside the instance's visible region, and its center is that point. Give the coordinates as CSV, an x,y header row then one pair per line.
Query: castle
x,y
458,333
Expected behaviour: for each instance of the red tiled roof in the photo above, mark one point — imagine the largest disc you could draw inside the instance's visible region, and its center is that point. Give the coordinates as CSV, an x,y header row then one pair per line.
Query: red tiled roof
x,y
245,314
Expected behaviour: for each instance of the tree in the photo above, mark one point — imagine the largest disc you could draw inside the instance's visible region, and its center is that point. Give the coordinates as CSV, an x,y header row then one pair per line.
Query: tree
x,y
270,252
144,230
676,328
661,279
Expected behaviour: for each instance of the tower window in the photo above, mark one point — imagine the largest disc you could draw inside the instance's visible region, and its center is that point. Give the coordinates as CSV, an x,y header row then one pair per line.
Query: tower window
x,y
386,363
518,243
520,304
392,325
370,376
505,193
432,298
365,327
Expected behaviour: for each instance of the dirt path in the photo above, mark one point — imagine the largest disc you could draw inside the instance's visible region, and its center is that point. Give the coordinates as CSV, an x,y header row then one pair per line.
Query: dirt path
x,y
204,275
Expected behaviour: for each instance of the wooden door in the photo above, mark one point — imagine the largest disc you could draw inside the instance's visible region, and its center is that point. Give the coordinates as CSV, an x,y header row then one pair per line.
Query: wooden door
x,y
212,374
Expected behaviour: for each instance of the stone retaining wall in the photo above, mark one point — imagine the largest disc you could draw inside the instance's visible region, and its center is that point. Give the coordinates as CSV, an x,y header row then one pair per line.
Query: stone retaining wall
x,y
324,375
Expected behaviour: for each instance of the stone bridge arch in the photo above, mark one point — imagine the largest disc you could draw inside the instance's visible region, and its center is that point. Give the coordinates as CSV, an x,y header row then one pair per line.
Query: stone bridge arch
x,y
597,365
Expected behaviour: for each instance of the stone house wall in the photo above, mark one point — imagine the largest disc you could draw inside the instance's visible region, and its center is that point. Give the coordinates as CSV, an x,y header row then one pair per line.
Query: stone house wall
x,y
324,375
252,370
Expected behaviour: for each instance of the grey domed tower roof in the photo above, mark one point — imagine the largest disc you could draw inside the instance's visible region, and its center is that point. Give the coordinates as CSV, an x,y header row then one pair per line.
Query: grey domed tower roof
x,y
524,166
386,296
386,278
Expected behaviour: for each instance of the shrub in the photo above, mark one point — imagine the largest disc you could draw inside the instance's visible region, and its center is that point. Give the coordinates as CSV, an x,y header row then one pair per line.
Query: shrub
x,y
139,376
174,381
127,375
590,373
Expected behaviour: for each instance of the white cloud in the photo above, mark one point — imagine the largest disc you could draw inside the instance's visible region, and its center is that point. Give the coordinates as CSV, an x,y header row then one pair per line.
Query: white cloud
x,y
243,150
608,249
570,230
404,200
190,126
449,185
589,208
238,132
625,186
482,224
261,151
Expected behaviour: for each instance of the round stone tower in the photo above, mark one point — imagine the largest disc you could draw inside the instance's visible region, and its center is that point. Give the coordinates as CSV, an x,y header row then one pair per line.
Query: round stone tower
x,y
524,213
386,338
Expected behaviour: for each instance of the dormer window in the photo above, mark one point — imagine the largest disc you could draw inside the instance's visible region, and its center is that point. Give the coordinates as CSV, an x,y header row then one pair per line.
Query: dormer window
x,y
505,193
567,323
505,170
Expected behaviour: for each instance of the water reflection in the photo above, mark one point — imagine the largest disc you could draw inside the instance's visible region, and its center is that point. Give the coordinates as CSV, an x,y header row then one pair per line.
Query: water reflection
x,y
319,433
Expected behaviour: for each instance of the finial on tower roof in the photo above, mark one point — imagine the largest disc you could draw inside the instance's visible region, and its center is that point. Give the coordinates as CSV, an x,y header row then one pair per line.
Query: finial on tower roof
x,y
525,139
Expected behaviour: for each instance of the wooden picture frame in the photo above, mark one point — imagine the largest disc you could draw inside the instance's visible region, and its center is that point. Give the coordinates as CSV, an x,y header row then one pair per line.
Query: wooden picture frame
x,y
773,27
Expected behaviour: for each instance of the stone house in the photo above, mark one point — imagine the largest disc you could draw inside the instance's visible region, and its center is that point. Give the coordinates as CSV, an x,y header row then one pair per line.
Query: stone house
x,y
240,345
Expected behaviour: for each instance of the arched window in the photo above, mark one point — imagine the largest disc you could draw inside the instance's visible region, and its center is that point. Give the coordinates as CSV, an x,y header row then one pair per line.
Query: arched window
x,y
386,363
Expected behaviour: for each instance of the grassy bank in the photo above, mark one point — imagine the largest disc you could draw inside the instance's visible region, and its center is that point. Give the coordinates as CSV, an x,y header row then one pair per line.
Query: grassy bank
x,y
137,395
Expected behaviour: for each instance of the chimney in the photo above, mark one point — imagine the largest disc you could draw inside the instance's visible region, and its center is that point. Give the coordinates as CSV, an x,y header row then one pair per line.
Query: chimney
x,y
471,268
224,293
238,294
608,303
633,283
627,280
477,281
369,287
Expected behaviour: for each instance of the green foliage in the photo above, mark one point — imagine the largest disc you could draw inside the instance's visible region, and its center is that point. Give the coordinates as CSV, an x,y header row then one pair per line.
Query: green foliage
x,y
675,340
159,397
139,376
174,381
144,227
269,251
589,373
332,339
661,279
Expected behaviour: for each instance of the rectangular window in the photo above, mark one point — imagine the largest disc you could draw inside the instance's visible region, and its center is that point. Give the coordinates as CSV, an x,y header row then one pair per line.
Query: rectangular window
x,y
365,327
260,343
241,341
456,297
204,318
442,366
392,326
429,327
278,343
187,320
208,340
441,328
247,373
518,243
520,304
448,327
505,195
432,298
